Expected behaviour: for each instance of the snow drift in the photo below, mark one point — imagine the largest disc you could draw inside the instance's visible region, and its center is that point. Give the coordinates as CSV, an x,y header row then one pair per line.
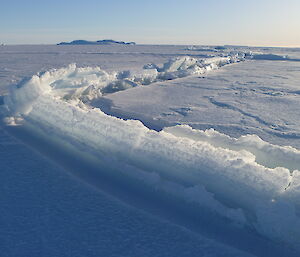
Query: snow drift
x,y
246,180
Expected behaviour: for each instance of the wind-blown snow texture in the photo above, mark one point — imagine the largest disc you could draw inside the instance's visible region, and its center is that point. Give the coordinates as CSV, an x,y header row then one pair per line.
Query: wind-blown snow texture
x,y
250,182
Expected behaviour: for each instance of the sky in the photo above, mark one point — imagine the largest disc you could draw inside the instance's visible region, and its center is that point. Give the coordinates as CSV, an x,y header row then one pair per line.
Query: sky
x,y
209,22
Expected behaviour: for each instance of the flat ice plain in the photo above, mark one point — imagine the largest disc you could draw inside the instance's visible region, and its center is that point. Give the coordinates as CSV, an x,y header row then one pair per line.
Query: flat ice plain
x,y
188,151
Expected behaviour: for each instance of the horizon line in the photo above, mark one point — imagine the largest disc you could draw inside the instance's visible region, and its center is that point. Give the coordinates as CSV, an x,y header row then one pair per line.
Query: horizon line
x,y
162,44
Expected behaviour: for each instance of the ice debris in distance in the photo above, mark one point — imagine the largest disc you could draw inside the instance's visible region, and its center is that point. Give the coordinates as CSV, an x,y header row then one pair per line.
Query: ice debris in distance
x,y
246,180
248,54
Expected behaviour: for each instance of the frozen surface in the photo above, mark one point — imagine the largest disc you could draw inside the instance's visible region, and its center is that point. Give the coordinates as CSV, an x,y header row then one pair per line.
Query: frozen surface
x,y
47,212
247,186
252,97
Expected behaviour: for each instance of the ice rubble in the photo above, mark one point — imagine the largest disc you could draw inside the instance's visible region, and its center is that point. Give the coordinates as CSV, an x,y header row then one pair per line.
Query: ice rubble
x,y
87,83
254,55
246,180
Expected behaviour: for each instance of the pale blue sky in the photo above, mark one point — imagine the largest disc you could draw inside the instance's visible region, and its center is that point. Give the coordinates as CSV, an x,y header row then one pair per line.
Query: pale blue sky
x,y
251,22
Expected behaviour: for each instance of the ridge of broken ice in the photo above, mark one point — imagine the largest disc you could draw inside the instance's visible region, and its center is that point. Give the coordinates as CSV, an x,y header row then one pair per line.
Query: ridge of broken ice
x,y
246,180
87,83
266,154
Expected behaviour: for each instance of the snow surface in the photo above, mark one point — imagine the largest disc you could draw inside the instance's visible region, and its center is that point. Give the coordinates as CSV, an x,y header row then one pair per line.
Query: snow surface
x,y
239,99
248,183
47,212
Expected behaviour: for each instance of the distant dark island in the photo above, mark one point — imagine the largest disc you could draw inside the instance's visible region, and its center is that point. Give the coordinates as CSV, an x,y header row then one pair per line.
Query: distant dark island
x,y
99,42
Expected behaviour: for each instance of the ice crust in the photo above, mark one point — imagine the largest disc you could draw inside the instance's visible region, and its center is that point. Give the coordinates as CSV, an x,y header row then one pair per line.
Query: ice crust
x,y
246,180
266,154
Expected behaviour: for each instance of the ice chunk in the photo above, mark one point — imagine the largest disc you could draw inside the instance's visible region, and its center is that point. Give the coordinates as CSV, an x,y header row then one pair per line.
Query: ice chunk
x,y
266,154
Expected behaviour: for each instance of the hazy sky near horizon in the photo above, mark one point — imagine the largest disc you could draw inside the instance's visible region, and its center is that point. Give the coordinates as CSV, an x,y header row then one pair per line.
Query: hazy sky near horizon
x,y
214,22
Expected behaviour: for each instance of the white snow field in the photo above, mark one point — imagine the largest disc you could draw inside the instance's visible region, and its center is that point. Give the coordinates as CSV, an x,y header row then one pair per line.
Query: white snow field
x,y
197,147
